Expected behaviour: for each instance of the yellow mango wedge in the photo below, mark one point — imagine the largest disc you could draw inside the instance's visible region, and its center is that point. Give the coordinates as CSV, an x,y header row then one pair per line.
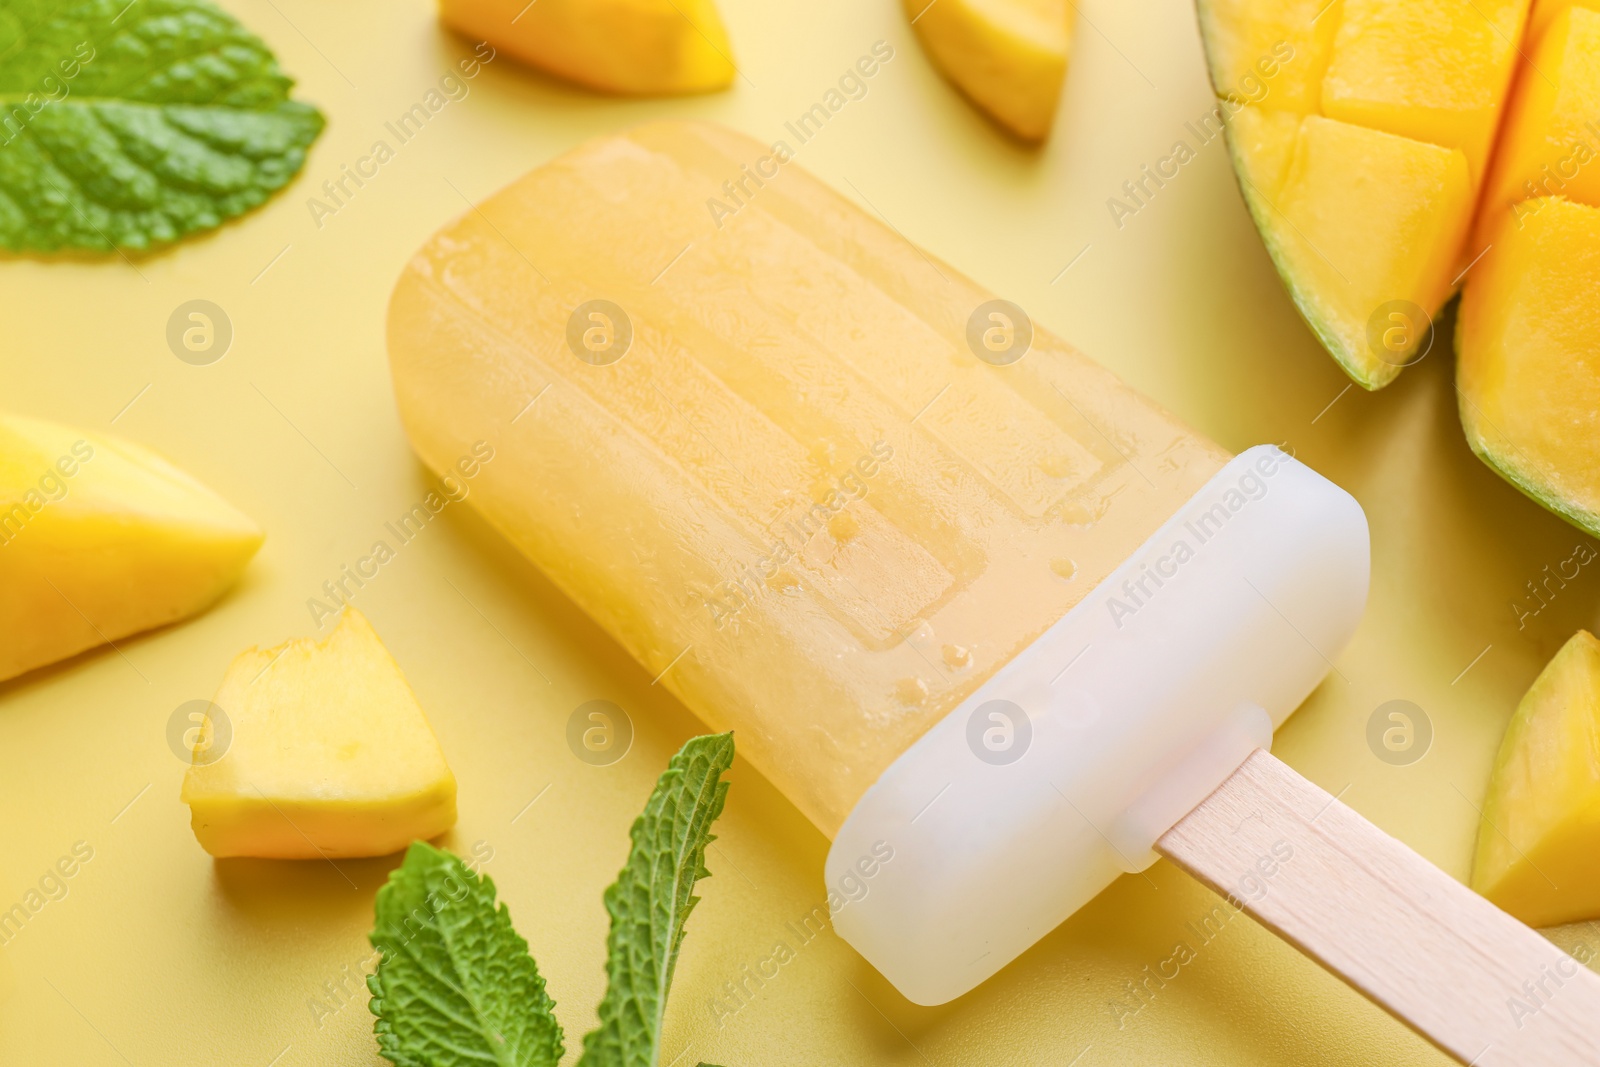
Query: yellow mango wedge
x,y
1008,56
628,47
100,539
320,751
1539,841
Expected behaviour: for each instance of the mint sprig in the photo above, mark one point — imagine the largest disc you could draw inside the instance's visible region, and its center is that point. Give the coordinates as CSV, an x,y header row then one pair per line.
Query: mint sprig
x,y
455,984
130,125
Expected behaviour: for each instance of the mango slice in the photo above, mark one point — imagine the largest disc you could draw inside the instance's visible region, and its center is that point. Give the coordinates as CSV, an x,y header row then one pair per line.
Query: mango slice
x,y
1397,104
1551,144
1008,56
628,47
1306,180
320,751
1539,840
100,539
1528,358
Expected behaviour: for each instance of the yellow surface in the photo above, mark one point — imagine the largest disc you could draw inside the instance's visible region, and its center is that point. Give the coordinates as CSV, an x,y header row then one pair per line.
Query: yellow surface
x,y
317,748
1539,846
1529,361
799,498
167,956
1551,142
644,47
1009,56
99,539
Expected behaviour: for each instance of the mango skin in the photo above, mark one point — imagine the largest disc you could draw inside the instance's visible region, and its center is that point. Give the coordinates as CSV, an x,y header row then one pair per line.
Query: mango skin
x,y
329,755
627,47
1008,56
100,539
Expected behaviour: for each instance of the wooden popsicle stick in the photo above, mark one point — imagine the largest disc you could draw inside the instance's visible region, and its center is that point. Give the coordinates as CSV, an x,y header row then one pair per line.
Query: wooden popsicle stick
x,y
1477,983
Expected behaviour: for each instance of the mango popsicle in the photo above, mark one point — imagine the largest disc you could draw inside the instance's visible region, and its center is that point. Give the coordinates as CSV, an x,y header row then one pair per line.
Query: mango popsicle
x,y
799,495
1001,627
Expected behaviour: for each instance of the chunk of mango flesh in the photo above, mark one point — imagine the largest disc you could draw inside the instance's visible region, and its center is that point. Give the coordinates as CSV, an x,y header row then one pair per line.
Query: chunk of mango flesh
x,y
324,752
1262,143
1271,55
1008,56
1432,70
1528,358
1538,852
1307,181
1545,13
100,539
629,47
1551,143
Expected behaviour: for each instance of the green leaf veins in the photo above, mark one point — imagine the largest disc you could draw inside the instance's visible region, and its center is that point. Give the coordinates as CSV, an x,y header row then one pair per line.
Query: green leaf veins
x,y
455,984
126,126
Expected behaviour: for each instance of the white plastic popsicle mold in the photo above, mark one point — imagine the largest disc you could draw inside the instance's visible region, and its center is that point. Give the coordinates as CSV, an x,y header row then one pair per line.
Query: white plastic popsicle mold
x,y
1061,772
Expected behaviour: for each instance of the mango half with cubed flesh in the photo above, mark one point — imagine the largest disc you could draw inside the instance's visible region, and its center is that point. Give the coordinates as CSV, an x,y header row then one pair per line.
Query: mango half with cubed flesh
x,y
1528,354
1361,132
100,539
1008,56
1387,149
628,47
1539,839
317,749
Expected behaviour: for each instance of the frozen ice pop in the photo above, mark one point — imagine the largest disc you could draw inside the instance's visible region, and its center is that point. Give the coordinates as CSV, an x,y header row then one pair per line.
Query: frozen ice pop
x,y
799,493
1000,626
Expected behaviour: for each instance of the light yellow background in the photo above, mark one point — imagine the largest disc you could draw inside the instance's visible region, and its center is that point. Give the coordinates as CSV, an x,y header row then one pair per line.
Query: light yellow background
x,y
160,956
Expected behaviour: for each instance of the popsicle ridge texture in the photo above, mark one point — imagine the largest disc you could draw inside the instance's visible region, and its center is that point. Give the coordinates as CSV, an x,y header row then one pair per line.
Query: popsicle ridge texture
x,y
798,494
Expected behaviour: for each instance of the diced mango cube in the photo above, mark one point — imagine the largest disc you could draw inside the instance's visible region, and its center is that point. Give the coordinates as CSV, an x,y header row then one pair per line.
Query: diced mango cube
x,y
1431,70
323,753
1551,143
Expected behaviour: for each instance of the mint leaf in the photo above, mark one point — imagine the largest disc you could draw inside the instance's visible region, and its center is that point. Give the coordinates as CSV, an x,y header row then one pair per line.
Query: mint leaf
x,y
651,900
130,125
455,984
